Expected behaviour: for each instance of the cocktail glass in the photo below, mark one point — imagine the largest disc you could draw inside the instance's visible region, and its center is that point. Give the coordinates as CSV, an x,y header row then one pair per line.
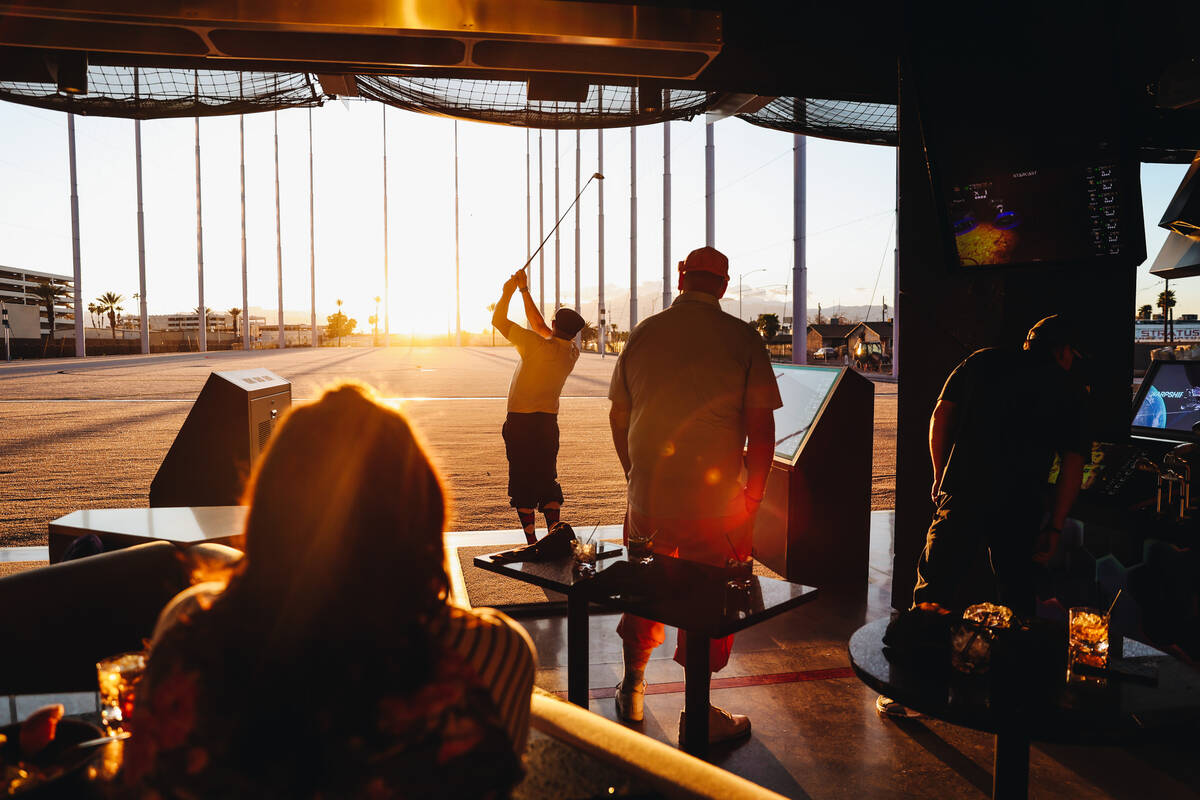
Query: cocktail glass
x,y
971,642
118,677
741,572
585,557
639,548
1087,630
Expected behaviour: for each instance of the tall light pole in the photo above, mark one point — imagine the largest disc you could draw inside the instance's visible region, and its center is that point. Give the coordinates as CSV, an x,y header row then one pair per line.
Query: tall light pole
x,y
710,187
799,249
601,333
80,341
541,226
203,311
633,281
740,276
387,322
312,234
282,341
666,234
245,262
457,283
143,314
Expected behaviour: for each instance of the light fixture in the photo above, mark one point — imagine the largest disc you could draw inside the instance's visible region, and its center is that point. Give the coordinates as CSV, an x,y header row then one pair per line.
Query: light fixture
x,y
72,73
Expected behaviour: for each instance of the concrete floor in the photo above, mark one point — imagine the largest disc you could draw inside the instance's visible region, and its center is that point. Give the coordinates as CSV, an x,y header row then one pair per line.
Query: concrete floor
x,y
815,730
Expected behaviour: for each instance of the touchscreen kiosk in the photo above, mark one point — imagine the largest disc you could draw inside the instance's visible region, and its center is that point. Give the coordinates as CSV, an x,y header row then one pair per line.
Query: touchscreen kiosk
x,y
814,523
1168,403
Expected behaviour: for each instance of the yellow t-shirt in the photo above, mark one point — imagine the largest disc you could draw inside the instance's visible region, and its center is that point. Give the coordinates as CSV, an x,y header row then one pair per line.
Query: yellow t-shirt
x,y
541,372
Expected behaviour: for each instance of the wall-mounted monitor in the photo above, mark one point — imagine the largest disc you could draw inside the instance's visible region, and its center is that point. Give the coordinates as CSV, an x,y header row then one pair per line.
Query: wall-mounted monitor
x,y
1038,211
1168,403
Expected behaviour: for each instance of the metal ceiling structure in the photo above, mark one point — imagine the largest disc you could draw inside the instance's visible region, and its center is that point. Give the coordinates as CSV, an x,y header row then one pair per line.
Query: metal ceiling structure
x,y
821,69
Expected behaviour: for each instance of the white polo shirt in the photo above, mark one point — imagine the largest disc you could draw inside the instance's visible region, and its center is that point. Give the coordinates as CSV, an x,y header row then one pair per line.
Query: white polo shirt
x,y
687,376
541,372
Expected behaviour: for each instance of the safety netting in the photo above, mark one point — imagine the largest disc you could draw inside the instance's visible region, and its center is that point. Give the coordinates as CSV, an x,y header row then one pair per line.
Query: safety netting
x,y
507,102
868,123
152,93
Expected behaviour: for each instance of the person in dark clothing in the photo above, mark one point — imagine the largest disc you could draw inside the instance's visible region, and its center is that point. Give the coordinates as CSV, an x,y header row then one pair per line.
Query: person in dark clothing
x,y
998,423
1002,416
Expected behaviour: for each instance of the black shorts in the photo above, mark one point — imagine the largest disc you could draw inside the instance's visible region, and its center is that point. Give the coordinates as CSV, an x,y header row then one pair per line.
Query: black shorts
x,y
531,444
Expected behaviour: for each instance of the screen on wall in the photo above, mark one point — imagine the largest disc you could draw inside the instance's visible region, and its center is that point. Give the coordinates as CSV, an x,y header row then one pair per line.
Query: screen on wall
x,y
1168,402
1037,212
804,391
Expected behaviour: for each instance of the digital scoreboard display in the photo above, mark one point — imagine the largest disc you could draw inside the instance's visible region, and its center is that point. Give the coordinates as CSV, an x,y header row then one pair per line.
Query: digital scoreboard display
x,y
804,391
1036,213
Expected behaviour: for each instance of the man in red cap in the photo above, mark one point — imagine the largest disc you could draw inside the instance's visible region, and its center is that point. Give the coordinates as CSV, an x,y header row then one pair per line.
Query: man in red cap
x,y
548,354
691,387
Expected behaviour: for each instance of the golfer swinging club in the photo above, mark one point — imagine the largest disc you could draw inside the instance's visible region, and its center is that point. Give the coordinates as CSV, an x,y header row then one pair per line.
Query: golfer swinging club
x,y
548,354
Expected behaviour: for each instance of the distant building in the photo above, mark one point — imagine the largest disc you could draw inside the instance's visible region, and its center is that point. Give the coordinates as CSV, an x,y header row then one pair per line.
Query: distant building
x,y
19,286
828,335
1186,330
869,333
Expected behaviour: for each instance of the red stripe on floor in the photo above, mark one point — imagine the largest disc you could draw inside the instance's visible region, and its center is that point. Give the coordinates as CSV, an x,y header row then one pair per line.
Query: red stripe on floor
x,y
677,687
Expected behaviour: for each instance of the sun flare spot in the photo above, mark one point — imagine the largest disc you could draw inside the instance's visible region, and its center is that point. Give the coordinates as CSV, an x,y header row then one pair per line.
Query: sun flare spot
x,y
712,476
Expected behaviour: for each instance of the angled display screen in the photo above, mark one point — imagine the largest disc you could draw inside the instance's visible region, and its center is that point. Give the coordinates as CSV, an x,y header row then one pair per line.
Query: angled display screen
x,y
804,391
1168,403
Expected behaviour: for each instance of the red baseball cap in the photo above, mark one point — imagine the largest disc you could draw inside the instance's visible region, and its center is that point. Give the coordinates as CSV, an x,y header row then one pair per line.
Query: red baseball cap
x,y
706,259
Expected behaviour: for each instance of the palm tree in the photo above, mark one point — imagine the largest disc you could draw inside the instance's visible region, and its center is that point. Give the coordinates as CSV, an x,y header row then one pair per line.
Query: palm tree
x,y
492,307
50,293
1145,312
375,323
94,311
1166,301
110,303
235,313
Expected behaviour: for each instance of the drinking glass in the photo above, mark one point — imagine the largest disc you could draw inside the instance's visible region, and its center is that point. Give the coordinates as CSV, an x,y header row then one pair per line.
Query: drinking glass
x,y
585,557
741,571
639,549
972,640
118,677
1088,637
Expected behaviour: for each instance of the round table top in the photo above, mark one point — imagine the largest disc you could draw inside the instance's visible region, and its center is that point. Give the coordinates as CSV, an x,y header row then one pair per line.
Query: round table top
x,y
1149,690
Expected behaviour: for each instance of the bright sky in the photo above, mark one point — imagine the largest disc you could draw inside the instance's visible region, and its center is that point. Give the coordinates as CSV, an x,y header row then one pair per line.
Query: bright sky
x,y
851,192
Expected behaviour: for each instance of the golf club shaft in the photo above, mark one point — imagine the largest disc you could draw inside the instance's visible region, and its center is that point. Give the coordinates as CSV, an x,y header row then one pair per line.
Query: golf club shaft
x,y
533,255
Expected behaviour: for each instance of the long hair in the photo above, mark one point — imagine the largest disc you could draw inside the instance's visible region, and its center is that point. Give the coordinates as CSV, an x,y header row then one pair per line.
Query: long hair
x,y
344,533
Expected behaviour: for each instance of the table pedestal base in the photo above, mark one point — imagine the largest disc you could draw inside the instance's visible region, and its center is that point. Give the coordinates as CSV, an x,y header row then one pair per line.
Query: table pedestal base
x,y
695,694
1010,775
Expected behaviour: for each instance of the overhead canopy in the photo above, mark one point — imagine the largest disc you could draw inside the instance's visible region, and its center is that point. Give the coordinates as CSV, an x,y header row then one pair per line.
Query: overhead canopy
x,y
549,63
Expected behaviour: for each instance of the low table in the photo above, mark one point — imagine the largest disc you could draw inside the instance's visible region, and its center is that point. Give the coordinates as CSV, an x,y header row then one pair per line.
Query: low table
x,y
684,594
125,527
1035,702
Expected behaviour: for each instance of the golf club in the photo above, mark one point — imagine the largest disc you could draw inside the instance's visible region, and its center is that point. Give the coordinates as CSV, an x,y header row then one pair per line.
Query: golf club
x,y
595,176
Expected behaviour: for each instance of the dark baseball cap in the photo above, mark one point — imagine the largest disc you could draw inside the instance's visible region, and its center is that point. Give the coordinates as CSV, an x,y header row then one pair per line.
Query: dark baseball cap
x,y
568,321
1054,331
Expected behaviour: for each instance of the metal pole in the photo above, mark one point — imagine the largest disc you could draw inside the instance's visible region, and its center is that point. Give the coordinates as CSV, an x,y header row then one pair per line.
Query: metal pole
x,y
578,297
245,263
896,281
633,281
710,179
312,235
541,227
282,341
799,250
80,342
601,336
457,279
387,330
143,316
528,204
557,249
202,313
666,279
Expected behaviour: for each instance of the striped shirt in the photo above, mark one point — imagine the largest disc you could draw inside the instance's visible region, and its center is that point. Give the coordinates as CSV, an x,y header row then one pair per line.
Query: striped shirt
x,y
501,653
496,648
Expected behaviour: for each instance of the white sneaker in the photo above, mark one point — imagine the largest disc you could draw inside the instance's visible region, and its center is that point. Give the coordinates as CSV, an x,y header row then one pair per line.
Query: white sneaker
x,y
629,703
722,726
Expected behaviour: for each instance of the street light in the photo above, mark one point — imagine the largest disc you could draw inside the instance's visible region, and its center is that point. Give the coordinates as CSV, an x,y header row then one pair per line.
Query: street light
x,y
740,276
